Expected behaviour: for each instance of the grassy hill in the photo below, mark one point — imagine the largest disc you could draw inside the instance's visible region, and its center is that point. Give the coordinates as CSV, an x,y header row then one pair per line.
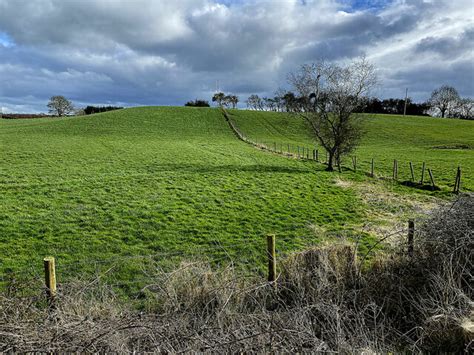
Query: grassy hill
x,y
153,184
150,180
444,144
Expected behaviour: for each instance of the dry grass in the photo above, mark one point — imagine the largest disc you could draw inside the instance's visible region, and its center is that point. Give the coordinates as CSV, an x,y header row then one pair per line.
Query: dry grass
x,y
323,302
386,209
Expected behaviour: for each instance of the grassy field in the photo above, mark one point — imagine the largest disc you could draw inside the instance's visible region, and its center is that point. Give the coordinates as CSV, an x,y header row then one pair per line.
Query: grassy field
x,y
444,144
175,182
148,181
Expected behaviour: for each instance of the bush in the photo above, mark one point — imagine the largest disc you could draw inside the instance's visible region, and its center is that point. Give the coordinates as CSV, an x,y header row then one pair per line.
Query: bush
x,y
89,110
197,103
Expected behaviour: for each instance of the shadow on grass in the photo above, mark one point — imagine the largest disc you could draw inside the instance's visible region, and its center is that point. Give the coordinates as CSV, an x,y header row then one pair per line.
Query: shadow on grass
x,y
254,168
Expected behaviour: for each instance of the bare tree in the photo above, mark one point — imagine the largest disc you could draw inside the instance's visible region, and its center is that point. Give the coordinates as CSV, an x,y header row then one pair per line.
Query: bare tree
x,y
255,102
444,100
464,109
60,106
232,100
329,95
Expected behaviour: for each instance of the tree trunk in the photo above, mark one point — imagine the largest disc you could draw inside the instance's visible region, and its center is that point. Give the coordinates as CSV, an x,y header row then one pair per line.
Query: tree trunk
x,y
330,161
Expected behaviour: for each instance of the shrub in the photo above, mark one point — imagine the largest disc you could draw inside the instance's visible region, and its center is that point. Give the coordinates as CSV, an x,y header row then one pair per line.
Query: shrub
x,y
197,103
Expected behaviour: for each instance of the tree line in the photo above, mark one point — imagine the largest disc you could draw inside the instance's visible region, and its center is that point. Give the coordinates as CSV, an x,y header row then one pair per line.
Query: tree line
x,y
61,106
444,102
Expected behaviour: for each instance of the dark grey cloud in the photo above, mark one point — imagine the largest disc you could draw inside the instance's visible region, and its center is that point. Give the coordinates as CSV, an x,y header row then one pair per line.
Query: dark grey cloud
x,y
447,47
140,52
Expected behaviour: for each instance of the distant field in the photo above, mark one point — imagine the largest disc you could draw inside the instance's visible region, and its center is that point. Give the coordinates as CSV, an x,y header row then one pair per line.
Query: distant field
x,y
153,180
444,144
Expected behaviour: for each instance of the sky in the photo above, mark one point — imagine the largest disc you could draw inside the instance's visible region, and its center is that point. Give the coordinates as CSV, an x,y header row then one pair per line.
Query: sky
x,y
166,52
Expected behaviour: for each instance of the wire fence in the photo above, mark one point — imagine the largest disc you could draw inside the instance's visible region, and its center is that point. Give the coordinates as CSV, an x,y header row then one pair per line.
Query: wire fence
x,y
133,273
369,167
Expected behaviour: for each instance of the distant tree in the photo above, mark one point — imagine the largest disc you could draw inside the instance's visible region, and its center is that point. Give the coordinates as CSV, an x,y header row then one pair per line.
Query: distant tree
x,y
219,98
444,100
464,109
329,95
233,100
289,102
89,110
60,106
254,102
197,103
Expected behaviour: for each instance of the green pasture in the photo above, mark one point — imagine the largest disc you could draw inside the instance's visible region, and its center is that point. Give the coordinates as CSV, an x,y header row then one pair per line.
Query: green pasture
x,y
154,181
107,193
443,144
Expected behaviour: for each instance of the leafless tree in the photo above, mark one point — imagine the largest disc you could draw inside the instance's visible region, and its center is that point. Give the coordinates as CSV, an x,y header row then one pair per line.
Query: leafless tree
x,y
329,95
444,100
255,102
60,106
465,109
232,100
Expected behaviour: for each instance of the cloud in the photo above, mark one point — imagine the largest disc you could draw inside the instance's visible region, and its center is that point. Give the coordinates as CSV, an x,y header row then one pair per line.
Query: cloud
x,y
140,52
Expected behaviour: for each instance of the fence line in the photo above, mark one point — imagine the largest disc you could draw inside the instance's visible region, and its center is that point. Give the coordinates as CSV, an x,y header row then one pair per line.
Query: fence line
x,y
53,285
300,155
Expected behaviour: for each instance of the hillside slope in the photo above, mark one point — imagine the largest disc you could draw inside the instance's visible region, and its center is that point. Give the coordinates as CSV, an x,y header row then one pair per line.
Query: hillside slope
x,y
154,181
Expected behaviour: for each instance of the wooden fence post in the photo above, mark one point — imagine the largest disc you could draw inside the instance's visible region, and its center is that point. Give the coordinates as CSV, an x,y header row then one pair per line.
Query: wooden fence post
x,y
298,147
412,173
411,234
422,180
372,168
307,153
395,170
354,163
314,154
317,156
271,253
50,278
432,179
457,181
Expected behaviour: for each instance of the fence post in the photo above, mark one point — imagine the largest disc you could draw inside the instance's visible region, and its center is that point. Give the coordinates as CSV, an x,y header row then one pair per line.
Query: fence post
x,y
50,278
372,168
412,173
432,179
457,181
422,173
275,146
288,149
298,151
411,234
317,156
354,163
271,257
307,153
395,170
